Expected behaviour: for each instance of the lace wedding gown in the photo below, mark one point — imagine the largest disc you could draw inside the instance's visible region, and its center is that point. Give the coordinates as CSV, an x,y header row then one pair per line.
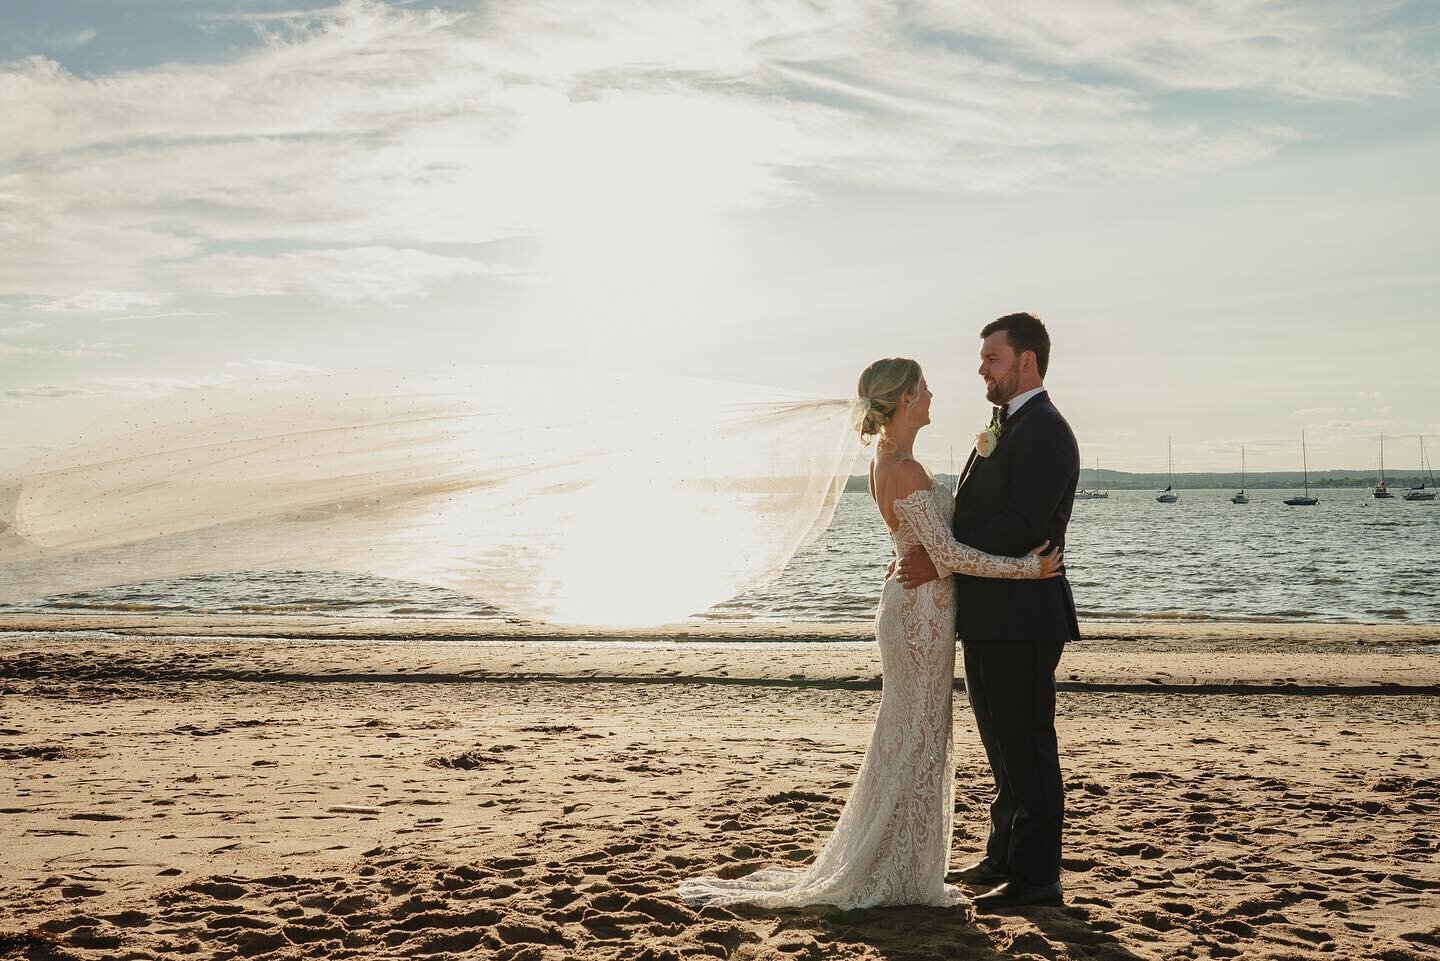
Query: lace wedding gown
x,y
892,841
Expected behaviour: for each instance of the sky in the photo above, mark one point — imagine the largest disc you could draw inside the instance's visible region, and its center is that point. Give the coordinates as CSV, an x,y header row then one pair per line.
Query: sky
x,y
1225,211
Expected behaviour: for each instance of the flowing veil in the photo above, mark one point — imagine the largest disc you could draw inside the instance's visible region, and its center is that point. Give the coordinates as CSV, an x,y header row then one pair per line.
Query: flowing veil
x,y
558,495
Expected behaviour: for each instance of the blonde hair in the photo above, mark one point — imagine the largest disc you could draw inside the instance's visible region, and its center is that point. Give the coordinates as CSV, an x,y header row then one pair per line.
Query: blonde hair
x,y
879,390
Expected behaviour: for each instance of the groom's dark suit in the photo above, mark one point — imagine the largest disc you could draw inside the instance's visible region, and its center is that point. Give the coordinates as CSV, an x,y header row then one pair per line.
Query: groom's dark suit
x,y
1014,630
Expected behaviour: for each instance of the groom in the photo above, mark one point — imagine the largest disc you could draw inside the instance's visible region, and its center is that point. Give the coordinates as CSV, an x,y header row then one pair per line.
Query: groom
x,y
1013,631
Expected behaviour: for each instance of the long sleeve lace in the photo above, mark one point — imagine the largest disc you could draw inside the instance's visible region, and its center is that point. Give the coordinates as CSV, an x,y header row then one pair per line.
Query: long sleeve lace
x,y
949,555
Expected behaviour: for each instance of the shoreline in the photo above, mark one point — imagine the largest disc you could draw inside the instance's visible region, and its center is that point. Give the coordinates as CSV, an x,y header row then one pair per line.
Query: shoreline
x,y
1315,659
299,627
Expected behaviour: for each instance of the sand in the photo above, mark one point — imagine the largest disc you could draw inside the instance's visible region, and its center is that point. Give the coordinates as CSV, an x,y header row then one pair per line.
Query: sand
x,y
324,788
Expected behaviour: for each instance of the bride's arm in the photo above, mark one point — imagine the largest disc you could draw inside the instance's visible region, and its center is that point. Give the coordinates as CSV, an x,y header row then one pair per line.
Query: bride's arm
x,y
949,555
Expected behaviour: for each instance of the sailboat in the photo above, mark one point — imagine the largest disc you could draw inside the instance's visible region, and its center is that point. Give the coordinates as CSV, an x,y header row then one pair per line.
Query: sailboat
x,y
1306,500
1240,495
1168,495
1095,494
1422,493
1380,491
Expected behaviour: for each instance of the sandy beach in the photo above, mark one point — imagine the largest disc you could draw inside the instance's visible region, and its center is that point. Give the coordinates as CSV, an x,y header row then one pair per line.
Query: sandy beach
x,y
312,787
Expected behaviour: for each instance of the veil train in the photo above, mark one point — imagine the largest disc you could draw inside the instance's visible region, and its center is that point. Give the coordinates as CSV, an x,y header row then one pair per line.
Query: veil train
x,y
559,495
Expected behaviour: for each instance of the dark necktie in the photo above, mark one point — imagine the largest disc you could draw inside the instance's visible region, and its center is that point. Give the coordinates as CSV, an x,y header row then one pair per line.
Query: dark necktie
x,y
1003,413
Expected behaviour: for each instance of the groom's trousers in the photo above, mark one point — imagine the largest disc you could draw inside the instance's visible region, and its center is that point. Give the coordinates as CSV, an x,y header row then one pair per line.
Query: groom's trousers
x,y
1011,687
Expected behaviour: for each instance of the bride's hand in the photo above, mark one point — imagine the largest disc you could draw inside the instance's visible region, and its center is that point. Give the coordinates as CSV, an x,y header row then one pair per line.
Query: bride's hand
x,y
1051,565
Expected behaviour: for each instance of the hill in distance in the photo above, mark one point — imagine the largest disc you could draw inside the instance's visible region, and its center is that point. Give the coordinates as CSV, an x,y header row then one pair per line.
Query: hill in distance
x,y
1284,480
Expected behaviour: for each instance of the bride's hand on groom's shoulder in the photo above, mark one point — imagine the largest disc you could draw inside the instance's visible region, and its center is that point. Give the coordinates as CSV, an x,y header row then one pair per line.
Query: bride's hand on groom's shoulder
x,y
1051,564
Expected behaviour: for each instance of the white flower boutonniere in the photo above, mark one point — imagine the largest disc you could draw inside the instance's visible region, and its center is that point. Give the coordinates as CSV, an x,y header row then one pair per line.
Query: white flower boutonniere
x,y
988,439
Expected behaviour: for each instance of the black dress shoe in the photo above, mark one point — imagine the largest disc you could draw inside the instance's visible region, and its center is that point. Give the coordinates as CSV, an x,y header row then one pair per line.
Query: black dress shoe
x,y
1018,894
983,872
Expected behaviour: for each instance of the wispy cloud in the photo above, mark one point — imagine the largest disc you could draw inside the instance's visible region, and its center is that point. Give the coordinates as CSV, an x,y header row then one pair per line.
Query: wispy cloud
x,y
44,392
20,328
250,370
49,41
365,152
1318,50
81,350
345,275
161,315
99,301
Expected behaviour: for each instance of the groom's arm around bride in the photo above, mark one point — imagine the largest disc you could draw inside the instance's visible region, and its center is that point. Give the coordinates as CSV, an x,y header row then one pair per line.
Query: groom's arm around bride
x,y
1015,499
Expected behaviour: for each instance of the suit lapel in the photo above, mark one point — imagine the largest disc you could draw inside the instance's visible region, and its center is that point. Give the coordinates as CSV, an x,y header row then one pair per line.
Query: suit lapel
x,y
1010,422
969,465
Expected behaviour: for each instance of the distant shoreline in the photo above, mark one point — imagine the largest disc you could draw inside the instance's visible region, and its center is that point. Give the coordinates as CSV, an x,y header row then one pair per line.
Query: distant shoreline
x,y
1398,482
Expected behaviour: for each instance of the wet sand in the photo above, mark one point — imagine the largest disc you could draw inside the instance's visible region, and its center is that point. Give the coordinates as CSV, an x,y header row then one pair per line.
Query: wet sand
x,y
251,788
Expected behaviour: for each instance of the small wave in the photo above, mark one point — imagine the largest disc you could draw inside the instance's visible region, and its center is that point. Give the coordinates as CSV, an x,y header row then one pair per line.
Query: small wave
x,y
1390,613
1192,616
115,606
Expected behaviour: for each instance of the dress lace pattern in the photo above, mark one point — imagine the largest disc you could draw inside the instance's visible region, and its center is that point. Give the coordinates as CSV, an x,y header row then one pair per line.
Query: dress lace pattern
x,y
892,841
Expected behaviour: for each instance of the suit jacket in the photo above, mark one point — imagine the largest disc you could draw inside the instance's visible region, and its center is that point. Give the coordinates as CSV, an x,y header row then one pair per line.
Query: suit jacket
x,y
1009,503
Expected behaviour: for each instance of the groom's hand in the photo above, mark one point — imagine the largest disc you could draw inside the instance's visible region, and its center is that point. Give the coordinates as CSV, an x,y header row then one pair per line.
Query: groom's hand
x,y
915,568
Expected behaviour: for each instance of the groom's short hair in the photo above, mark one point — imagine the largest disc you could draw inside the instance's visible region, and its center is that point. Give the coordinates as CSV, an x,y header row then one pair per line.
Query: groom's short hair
x,y
1025,332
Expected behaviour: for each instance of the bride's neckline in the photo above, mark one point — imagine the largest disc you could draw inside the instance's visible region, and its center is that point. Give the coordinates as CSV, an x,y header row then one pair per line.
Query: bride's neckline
x,y
934,482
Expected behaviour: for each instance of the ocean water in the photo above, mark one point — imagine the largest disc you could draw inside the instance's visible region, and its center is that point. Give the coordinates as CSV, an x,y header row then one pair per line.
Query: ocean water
x,y
1349,559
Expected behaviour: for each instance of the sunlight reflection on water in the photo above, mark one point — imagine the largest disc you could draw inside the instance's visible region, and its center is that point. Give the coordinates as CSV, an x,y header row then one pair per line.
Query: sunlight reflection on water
x,y
1349,559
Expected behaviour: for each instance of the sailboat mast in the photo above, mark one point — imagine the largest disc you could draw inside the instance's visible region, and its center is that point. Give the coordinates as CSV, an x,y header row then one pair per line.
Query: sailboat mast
x,y
1305,463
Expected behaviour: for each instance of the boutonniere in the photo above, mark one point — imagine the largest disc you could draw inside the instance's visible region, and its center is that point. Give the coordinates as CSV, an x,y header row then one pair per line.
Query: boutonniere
x,y
988,439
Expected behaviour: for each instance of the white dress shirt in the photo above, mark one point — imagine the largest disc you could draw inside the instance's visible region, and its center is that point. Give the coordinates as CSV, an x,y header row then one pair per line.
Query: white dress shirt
x,y
1019,400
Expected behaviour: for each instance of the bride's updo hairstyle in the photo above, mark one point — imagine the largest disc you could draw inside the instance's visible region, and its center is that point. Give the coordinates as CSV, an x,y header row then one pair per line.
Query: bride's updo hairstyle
x,y
879,390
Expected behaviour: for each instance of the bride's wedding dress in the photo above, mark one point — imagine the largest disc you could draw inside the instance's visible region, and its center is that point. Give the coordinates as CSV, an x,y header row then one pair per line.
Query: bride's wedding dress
x,y
892,841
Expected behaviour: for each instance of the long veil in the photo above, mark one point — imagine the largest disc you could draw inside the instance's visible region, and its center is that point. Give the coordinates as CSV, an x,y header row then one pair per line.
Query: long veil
x,y
559,495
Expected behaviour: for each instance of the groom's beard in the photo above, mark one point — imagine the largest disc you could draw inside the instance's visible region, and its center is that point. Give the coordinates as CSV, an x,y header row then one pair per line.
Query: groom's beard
x,y
1005,388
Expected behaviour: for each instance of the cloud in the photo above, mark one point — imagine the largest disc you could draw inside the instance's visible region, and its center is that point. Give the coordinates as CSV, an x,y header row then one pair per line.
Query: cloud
x,y
273,368
344,276
1315,50
82,350
58,41
163,315
43,392
156,386
249,370
257,16
99,301
89,349
20,328
1358,428
368,152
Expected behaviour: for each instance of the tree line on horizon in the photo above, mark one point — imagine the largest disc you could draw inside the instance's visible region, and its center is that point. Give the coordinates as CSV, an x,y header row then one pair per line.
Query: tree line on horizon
x,y
1218,480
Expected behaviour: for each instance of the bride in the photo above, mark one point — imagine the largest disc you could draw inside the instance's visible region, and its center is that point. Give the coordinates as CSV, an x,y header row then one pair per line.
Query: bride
x,y
892,841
